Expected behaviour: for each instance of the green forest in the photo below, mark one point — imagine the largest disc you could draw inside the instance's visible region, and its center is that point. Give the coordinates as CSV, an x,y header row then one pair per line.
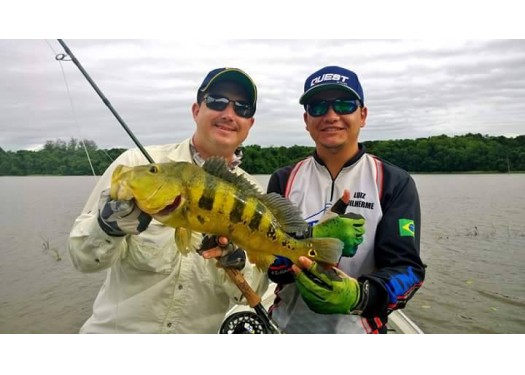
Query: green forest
x,y
437,154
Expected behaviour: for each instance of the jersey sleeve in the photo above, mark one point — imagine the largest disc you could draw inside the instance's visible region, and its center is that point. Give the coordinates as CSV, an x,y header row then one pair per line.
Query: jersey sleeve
x,y
400,270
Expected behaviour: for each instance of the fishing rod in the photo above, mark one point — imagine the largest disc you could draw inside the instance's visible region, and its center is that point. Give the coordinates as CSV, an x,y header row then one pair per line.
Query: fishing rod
x,y
254,300
245,321
101,95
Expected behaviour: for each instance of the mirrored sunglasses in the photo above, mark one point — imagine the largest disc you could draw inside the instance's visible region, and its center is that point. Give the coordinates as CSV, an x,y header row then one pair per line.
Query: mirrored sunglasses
x,y
219,103
340,106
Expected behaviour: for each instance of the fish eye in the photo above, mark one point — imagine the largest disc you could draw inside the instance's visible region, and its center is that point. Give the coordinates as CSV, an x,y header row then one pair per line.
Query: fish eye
x,y
312,253
153,169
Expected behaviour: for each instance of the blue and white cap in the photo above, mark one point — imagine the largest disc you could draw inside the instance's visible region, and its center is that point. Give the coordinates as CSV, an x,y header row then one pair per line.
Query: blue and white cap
x,y
332,78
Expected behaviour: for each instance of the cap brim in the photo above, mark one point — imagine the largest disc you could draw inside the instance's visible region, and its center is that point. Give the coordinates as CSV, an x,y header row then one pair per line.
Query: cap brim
x,y
237,76
326,86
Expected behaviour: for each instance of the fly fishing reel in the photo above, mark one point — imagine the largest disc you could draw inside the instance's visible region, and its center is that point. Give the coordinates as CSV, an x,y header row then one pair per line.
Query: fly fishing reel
x,y
244,322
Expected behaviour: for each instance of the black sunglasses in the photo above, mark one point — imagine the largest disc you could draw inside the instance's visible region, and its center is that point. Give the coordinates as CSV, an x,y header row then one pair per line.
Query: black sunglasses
x,y
340,106
219,103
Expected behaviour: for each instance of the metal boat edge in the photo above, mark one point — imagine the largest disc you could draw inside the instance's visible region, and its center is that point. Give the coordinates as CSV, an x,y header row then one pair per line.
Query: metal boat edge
x,y
398,321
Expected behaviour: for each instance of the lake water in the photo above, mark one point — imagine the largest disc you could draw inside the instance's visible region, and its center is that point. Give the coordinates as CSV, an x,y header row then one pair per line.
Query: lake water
x,y
473,237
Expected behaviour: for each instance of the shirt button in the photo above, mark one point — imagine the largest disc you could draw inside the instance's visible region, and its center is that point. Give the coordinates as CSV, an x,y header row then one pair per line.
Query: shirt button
x,y
180,286
169,325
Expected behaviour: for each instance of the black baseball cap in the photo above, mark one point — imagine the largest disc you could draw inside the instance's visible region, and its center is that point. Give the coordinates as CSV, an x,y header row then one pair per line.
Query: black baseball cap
x,y
230,74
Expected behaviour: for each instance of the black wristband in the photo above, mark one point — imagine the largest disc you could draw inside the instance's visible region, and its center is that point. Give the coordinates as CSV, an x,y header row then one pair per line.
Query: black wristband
x,y
363,299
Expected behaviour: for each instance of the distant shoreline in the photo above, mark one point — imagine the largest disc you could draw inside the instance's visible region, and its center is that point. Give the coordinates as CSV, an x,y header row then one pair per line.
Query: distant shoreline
x,y
267,174
470,153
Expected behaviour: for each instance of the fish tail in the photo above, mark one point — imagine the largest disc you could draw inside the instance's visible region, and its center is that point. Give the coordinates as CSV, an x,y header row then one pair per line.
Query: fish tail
x,y
325,250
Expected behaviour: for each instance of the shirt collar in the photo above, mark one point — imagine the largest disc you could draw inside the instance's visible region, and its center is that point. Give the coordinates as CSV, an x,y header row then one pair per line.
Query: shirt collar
x,y
199,160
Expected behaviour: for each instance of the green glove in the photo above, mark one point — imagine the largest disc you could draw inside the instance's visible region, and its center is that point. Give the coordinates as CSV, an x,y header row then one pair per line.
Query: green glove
x,y
349,228
328,290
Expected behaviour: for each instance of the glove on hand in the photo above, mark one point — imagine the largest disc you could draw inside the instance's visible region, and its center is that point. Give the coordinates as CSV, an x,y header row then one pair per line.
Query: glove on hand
x,y
280,271
232,256
349,228
328,290
118,217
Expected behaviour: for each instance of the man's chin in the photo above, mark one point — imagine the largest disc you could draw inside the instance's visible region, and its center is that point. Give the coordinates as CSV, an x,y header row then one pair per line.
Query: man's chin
x,y
226,141
334,144
331,138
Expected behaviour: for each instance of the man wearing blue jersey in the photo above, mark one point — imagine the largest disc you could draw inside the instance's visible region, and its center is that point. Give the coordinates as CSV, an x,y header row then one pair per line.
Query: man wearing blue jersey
x,y
386,270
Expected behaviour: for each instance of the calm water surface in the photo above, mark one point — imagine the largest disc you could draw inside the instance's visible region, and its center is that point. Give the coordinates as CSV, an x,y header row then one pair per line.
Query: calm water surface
x,y
473,236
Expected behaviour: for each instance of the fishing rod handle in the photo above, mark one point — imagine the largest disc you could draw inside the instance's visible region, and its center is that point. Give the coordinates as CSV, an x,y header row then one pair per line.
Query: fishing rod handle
x,y
238,278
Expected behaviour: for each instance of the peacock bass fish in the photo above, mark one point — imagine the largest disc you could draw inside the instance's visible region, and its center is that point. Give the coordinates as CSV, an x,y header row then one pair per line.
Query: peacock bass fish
x,y
214,200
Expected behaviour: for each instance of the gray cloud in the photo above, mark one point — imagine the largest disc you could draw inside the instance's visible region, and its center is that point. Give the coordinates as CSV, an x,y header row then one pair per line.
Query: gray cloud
x,y
413,88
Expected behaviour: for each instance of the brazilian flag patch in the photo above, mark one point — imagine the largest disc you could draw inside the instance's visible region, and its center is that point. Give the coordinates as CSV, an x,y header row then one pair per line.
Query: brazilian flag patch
x,y
406,228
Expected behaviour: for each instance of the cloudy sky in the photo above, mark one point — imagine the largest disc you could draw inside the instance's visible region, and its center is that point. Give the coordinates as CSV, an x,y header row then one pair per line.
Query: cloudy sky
x,y
413,88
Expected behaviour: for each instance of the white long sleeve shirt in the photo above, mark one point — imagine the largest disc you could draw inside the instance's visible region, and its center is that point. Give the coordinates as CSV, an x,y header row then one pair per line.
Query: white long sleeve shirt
x,y
150,286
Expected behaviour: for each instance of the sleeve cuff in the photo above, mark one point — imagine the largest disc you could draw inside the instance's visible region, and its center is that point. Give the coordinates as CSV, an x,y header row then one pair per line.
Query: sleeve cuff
x,y
375,303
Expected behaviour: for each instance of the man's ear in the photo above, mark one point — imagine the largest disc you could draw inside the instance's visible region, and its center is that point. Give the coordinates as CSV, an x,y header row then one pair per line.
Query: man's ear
x,y
195,108
364,114
305,117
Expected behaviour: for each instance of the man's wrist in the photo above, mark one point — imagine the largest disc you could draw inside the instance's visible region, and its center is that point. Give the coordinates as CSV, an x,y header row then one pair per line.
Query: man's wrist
x,y
109,229
363,299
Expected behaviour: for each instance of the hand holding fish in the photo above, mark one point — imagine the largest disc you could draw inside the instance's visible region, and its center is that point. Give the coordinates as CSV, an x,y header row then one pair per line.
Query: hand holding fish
x,y
347,227
327,290
220,247
120,217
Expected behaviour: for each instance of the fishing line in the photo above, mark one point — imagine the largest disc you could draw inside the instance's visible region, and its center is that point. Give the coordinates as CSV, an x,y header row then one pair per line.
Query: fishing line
x,y
104,99
61,57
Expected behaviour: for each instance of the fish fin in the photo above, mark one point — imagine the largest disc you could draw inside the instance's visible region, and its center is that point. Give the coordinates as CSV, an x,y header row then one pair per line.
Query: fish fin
x,y
217,167
261,261
325,250
327,216
286,213
183,241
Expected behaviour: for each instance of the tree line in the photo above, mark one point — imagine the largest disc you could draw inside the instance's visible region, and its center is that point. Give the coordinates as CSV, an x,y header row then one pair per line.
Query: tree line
x,y
437,154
